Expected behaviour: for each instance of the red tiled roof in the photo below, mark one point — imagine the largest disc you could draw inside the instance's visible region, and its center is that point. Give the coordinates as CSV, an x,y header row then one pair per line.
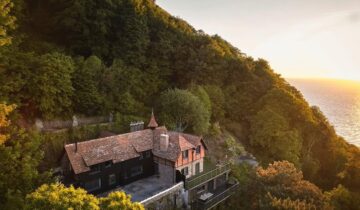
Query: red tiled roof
x,y
152,123
184,144
128,146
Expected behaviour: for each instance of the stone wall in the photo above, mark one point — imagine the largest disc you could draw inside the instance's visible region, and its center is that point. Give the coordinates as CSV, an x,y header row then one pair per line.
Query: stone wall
x,y
167,173
75,121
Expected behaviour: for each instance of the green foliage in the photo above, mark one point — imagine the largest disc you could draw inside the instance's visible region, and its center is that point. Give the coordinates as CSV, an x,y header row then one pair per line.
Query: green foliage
x,y
86,82
52,88
20,157
122,122
137,51
270,132
119,200
200,92
7,21
235,149
181,110
5,110
41,85
54,141
58,197
342,198
217,99
279,186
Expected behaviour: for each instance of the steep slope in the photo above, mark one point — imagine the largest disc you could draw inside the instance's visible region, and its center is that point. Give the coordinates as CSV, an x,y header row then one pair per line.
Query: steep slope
x,y
143,51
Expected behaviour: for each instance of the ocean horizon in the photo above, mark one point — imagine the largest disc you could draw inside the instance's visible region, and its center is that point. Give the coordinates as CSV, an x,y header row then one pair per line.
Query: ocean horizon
x,y
339,100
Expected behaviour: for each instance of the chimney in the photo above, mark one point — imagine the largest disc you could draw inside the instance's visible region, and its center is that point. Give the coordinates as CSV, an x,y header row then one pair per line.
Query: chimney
x,y
164,142
136,126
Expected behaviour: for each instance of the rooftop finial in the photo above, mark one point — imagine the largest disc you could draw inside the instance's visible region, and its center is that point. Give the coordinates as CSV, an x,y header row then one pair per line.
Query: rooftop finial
x,y
152,124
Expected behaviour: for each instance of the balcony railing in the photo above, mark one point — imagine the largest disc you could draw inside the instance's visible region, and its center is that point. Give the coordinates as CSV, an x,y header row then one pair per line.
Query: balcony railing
x,y
206,176
220,196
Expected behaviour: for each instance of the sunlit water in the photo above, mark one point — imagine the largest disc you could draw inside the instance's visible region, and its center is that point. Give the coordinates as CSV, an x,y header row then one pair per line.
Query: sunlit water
x,y
338,100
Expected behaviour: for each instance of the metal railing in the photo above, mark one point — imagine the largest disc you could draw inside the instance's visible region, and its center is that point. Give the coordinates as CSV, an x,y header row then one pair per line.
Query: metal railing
x,y
202,178
162,194
216,199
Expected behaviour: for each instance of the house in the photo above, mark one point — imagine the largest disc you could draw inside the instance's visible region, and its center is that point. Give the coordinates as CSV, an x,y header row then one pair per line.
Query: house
x,y
112,162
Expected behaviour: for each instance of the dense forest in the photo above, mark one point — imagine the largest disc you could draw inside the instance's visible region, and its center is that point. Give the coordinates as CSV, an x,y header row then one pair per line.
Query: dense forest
x,y
94,57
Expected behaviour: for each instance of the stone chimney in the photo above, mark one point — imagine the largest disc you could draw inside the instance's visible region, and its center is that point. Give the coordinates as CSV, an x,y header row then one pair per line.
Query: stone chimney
x,y
136,126
164,142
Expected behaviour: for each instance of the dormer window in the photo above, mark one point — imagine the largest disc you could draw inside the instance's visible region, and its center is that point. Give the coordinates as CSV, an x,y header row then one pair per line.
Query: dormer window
x,y
198,150
185,154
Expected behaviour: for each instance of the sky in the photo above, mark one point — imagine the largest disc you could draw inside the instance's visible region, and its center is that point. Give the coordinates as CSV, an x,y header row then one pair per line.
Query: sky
x,y
299,38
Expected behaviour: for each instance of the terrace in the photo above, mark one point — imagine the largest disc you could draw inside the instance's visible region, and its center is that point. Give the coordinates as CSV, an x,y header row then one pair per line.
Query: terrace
x,y
142,189
210,172
217,196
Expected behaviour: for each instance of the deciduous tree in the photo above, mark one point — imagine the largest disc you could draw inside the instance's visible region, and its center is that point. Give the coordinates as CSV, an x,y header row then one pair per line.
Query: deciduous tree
x,y
58,197
7,21
181,110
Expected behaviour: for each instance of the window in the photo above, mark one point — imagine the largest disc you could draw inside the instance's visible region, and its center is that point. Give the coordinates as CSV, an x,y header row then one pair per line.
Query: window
x,y
147,154
137,170
93,185
141,156
185,171
108,164
197,168
185,154
198,150
95,169
112,179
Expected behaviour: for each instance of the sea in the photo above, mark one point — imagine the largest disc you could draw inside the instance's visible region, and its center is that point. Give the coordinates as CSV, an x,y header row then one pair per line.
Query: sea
x,y
339,100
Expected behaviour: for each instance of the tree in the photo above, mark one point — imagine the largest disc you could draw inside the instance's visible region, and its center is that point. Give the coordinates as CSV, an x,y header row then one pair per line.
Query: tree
x,y
117,201
5,110
342,198
58,197
20,157
86,81
271,132
181,110
279,186
281,178
217,99
51,85
201,94
7,21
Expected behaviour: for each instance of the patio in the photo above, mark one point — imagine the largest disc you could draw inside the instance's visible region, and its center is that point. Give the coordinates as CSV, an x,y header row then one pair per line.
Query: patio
x,y
141,189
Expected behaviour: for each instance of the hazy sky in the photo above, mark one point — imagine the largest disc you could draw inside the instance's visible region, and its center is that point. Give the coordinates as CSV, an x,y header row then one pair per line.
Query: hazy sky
x,y
300,38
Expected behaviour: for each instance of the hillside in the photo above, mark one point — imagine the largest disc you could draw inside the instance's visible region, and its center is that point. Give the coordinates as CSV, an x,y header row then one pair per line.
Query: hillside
x,y
95,57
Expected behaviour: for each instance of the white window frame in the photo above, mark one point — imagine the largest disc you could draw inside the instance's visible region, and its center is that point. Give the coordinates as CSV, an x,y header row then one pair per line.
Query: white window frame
x,y
185,171
185,157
